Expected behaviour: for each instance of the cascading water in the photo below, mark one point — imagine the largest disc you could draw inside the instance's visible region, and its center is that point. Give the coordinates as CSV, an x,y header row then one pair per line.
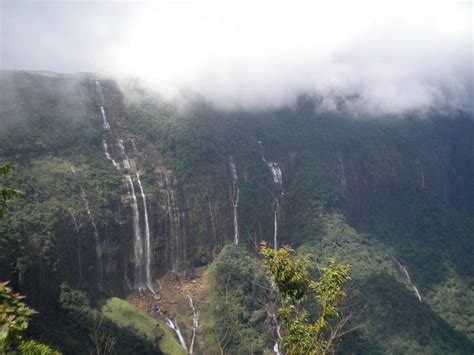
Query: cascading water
x,y
235,198
274,168
277,176
177,241
142,248
100,99
138,240
107,155
147,237
174,325
195,324
407,275
98,247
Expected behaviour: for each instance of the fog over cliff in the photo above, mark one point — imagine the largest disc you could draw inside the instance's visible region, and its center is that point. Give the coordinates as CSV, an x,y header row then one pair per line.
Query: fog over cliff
x,y
393,56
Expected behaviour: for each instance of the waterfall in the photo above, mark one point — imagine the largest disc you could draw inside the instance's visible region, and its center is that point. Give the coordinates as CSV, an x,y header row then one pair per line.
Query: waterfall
x,y
178,246
127,162
142,246
138,240
275,169
175,327
133,145
275,225
121,146
277,176
407,275
341,171
79,256
98,247
147,237
107,155
235,198
100,101
195,324
104,118
213,224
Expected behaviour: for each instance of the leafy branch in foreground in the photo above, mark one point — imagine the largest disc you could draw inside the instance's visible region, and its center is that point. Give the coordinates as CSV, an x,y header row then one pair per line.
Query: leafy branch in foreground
x,y
302,332
14,318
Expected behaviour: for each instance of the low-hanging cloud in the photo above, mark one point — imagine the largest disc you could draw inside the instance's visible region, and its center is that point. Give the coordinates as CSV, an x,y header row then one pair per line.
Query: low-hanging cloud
x,y
394,56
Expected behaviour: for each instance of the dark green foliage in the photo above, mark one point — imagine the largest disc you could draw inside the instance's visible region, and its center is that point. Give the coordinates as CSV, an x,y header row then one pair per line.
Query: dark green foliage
x,y
363,190
236,309
14,318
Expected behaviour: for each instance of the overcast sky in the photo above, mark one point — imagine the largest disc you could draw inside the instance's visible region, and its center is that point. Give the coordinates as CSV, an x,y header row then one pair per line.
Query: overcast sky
x,y
397,55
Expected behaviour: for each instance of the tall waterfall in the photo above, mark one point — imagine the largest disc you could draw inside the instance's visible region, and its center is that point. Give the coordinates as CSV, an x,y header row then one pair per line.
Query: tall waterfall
x,y
407,275
277,176
98,247
142,245
195,324
177,241
138,241
147,237
142,249
235,192
174,325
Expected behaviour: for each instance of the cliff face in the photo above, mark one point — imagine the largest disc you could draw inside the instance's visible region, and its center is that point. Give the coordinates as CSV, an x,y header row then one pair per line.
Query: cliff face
x,y
119,192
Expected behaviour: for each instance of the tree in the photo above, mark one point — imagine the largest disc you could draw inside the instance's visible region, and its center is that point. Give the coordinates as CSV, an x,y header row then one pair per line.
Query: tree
x,y
14,318
7,195
301,331
14,314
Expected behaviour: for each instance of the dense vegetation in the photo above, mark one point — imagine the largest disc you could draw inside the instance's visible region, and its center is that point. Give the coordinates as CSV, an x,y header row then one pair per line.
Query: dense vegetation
x,y
381,194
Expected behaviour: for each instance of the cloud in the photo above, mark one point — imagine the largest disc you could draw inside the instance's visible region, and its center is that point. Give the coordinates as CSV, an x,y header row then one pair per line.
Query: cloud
x,y
395,56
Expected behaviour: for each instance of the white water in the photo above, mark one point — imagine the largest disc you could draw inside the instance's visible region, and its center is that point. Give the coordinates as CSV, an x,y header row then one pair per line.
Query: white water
x,y
107,155
98,247
177,247
133,145
104,118
235,198
275,169
147,238
121,146
100,99
405,271
195,323
275,226
138,240
175,327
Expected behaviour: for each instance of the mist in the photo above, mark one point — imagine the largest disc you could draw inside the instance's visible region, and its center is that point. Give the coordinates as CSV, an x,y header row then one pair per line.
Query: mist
x,y
392,57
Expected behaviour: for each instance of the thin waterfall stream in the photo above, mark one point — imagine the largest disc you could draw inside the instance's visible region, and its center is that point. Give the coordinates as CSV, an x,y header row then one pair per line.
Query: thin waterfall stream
x,y
404,269
98,247
195,324
174,325
277,177
235,192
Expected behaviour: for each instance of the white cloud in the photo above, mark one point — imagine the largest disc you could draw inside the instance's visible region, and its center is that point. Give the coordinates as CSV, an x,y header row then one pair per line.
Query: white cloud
x,y
398,55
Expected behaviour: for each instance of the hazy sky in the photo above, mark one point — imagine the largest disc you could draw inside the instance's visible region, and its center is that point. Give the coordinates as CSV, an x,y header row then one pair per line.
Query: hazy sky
x,y
397,55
